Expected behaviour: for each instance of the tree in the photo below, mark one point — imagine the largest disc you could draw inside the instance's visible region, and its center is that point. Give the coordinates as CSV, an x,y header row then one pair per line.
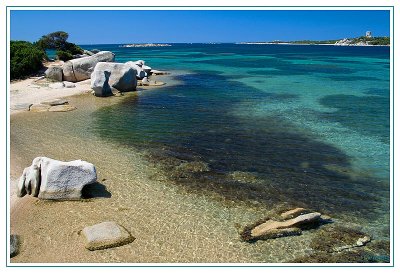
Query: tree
x,y
54,40
58,40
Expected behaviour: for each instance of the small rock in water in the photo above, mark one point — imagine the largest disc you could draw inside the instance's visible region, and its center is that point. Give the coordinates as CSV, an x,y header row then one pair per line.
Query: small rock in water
x,y
145,81
55,102
271,229
22,106
106,235
62,108
14,245
294,213
39,108
159,72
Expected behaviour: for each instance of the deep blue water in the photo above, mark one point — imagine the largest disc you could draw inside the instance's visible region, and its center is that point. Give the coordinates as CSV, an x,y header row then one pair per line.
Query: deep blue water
x,y
312,121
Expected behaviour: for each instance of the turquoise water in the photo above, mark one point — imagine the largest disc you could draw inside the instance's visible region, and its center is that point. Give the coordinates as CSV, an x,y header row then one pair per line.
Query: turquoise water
x,y
311,122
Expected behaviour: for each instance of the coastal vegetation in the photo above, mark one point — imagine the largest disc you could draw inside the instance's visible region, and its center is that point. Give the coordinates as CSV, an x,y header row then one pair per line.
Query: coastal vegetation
x,y
58,40
25,58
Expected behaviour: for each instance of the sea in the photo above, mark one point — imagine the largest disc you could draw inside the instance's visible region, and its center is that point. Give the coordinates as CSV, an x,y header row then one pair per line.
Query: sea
x,y
273,126
312,120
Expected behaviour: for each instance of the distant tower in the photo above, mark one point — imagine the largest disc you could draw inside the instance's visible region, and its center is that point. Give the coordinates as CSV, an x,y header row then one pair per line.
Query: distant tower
x,y
368,34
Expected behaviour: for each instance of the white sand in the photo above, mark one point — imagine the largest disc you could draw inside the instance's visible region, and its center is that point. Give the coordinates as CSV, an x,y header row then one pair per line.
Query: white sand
x,y
36,90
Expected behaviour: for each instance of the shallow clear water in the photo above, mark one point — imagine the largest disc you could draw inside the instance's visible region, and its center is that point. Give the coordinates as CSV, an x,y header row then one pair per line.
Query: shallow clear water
x,y
267,127
312,121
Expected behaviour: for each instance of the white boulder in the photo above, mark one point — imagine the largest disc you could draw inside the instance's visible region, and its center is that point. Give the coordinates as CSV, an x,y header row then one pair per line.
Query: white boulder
x,y
99,83
80,69
122,78
48,178
138,66
54,73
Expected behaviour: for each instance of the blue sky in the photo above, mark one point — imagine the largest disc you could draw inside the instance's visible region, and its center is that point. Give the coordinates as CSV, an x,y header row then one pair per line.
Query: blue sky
x,y
132,26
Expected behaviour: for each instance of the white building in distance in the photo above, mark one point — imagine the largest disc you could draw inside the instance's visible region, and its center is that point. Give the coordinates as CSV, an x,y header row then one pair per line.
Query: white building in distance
x,y
368,34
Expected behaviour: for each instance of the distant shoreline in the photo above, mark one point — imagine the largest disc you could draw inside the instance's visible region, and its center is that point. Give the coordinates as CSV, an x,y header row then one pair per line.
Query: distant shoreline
x,y
295,44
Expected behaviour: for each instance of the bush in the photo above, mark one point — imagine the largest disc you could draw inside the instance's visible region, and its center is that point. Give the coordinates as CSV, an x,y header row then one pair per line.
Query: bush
x,y
25,59
64,55
72,48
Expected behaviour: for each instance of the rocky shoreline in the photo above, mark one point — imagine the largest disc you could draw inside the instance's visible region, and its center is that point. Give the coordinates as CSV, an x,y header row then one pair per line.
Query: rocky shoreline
x,y
93,72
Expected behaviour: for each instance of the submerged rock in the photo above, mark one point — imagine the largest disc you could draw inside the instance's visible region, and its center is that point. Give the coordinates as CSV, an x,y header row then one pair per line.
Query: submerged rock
x,y
55,102
158,72
47,178
22,106
270,229
338,238
80,69
106,235
39,108
294,213
62,108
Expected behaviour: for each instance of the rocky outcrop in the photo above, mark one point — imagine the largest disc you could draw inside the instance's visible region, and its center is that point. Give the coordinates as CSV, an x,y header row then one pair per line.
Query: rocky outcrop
x,y
141,69
52,179
54,73
99,83
122,76
106,235
80,69
271,229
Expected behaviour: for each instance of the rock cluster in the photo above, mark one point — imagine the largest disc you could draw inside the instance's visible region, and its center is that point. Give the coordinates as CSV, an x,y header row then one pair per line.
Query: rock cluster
x,y
103,72
52,179
292,223
80,69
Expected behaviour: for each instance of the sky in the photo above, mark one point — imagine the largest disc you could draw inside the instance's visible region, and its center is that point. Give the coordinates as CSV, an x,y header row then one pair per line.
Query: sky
x,y
185,26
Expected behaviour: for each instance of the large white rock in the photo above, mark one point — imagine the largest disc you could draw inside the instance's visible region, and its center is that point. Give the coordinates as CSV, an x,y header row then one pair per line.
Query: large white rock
x,y
54,73
123,77
99,83
48,178
138,66
77,70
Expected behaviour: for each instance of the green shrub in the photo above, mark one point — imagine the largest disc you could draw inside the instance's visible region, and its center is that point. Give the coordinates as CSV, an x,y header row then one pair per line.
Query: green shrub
x,y
72,48
64,55
25,59
58,40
